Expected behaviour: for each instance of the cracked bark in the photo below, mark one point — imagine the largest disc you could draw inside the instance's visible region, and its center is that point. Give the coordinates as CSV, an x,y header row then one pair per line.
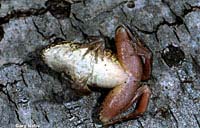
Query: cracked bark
x,y
31,93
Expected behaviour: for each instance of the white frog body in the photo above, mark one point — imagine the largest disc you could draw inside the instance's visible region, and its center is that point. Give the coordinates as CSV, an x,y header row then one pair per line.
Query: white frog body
x,y
91,68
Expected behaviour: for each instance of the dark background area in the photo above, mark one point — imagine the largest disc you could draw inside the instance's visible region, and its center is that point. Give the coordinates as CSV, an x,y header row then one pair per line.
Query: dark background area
x,y
30,93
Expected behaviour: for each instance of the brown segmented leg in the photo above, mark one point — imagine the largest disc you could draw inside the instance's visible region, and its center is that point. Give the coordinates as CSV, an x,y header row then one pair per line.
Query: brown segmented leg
x,y
147,60
127,55
143,94
124,95
117,100
142,51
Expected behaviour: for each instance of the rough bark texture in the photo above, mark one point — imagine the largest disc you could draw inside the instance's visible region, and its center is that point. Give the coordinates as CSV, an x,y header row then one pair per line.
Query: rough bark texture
x,y
30,93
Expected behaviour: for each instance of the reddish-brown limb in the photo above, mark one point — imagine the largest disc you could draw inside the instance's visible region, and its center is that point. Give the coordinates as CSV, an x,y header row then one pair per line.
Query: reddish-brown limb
x,y
146,56
139,49
142,95
126,53
117,100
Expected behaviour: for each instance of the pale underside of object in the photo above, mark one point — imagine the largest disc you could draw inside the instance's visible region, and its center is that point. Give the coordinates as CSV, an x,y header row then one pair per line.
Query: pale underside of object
x,y
94,70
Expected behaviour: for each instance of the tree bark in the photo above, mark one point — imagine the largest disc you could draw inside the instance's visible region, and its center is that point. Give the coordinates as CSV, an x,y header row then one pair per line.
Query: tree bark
x,y
33,95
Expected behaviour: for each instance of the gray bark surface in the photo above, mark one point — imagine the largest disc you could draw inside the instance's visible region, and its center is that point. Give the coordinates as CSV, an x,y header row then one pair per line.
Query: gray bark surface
x,y
32,94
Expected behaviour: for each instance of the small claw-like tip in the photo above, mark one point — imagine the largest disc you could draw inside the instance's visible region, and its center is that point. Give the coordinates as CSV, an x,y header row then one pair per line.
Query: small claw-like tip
x,y
121,34
124,31
103,118
120,29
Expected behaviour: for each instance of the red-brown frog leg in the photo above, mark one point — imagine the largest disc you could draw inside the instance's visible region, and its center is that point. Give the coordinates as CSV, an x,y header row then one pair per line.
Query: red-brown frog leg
x,y
123,96
147,60
142,51
142,94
